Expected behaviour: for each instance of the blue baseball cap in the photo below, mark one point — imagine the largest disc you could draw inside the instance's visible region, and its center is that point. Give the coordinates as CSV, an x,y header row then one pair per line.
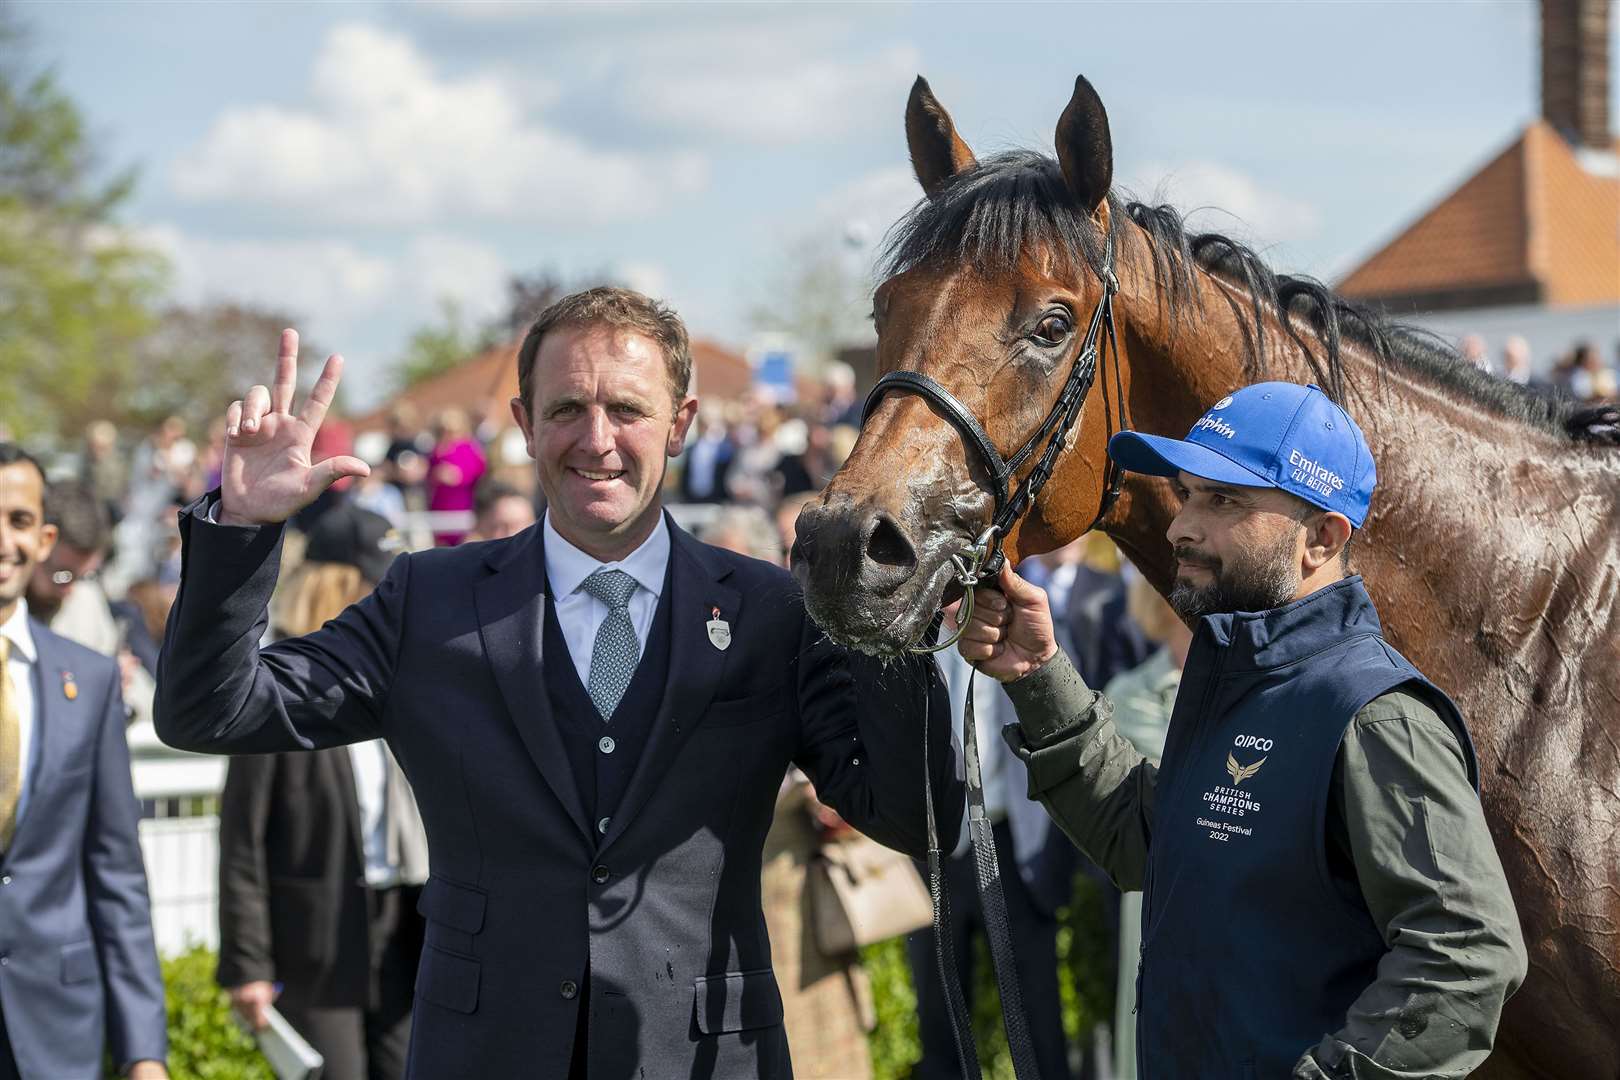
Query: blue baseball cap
x,y
1272,434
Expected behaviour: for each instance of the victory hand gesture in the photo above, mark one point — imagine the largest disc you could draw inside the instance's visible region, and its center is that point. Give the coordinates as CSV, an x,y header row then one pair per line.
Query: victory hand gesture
x,y
267,476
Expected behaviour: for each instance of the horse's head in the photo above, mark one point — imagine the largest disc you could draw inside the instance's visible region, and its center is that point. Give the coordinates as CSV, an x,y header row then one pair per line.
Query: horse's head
x,y
993,280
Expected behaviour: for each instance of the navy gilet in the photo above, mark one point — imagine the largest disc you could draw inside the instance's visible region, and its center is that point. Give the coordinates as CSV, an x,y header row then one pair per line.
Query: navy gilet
x,y
604,754
1250,954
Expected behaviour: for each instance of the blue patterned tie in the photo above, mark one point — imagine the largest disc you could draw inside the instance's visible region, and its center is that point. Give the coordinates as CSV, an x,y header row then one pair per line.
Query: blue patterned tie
x,y
616,652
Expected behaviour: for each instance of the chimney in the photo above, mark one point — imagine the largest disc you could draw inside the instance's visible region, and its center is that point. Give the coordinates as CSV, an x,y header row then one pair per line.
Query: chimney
x,y
1575,71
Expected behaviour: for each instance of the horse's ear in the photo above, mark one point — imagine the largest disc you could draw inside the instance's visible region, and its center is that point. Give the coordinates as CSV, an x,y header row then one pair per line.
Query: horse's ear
x,y
1084,147
937,151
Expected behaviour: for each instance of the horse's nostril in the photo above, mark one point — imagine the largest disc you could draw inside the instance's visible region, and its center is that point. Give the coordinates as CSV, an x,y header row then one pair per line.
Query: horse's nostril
x,y
888,546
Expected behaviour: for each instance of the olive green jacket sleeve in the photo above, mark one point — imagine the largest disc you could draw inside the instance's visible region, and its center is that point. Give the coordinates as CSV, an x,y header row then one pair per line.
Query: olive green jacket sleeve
x,y
1405,821
1093,781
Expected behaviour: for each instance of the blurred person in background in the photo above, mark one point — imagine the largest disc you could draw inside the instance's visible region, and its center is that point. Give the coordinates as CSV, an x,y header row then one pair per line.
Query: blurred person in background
x,y
81,974
103,469
1472,349
334,440
141,615
1037,865
500,510
708,458
322,855
747,530
405,464
455,466
1589,378
826,999
839,405
787,518
791,473
1143,698
65,592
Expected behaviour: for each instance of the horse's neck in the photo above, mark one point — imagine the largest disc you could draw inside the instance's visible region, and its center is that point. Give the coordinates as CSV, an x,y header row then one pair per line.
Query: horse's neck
x,y
1483,528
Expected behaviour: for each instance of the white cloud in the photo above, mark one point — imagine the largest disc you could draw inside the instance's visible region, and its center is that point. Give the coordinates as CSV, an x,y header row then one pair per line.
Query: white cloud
x,y
320,280
766,92
387,139
342,297
648,278
1214,195
866,207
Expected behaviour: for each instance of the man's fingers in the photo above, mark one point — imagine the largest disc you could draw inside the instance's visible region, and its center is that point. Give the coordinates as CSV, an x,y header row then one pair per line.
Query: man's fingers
x,y
989,598
1017,590
328,472
286,381
233,419
254,407
320,398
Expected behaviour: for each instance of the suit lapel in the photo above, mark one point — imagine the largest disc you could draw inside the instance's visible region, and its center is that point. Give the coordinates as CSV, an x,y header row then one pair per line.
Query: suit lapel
x,y
59,724
511,619
696,667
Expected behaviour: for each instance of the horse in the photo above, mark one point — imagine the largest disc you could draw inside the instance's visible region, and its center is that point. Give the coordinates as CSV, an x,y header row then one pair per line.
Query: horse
x,y
1492,550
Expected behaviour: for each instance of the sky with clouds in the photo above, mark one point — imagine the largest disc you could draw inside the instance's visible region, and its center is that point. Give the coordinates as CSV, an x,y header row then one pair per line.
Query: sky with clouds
x,y
354,163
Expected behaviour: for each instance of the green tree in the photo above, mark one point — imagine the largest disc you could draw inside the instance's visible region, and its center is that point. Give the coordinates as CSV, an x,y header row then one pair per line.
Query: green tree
x,y
195,361
437,347
75,290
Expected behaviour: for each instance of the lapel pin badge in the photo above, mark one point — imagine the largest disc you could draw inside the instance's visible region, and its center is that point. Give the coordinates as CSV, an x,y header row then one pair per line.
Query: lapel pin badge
x,y
70,689
719,631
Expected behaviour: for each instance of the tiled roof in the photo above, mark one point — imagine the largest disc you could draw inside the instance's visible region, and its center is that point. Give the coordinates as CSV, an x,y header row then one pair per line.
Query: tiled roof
x,y
1533,222
483,384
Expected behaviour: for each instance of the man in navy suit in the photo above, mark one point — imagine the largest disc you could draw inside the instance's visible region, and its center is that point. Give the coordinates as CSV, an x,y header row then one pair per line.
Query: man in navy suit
x,y
595,716
78,969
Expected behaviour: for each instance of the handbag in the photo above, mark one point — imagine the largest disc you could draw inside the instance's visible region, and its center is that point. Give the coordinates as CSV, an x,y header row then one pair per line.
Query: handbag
x,y
862,892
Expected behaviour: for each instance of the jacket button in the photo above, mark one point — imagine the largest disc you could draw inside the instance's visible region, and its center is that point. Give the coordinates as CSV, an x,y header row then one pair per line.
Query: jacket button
x,y
606,744
599,874
5,880
569,989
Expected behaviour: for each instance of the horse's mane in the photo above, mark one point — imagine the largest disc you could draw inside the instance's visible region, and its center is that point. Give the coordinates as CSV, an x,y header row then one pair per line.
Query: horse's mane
x,y
1016,202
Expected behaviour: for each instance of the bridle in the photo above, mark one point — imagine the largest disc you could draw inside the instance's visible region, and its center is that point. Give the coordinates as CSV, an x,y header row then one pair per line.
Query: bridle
x,y
983,558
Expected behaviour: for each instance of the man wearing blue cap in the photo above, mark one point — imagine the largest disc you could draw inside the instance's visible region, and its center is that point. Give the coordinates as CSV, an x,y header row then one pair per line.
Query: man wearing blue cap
x,y
1321,894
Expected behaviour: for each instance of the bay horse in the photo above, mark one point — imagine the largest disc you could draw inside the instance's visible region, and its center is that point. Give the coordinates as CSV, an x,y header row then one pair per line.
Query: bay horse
x,y
1492,550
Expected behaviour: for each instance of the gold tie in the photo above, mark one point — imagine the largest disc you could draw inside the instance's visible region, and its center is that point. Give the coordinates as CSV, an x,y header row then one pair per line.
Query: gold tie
x,y
10,748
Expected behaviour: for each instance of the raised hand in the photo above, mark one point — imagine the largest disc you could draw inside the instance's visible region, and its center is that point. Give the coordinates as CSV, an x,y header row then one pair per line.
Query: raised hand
x,y
267,476
1010,633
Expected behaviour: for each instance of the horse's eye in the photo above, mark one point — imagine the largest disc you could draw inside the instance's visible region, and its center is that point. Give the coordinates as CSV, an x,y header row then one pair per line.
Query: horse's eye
x,y
1053,330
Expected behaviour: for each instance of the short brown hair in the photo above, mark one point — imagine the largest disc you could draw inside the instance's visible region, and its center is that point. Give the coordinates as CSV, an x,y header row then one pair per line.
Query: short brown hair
x,y
621,309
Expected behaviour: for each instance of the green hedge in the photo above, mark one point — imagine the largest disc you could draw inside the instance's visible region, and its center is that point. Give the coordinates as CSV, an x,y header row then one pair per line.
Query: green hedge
x,y
1086,963
204,1043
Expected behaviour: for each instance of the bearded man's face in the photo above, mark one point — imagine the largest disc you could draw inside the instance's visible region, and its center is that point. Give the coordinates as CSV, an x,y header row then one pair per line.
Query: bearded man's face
x,y
1237,548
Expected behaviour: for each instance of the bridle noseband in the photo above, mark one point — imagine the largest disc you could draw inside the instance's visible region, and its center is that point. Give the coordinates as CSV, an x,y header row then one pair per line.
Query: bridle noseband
x,y
984,557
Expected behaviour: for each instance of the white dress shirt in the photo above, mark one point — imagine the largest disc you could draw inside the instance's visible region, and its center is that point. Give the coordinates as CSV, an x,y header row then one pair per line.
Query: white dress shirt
x,y
20,665
369,761
988,697
579,613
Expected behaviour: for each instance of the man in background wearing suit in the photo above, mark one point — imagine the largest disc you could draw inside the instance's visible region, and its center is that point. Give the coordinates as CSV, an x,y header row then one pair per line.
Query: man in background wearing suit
x,y
78,968
595,716
321,854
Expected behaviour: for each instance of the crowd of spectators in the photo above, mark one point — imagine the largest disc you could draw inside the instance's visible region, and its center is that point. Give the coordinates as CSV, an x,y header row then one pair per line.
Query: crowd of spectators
x,y
750,464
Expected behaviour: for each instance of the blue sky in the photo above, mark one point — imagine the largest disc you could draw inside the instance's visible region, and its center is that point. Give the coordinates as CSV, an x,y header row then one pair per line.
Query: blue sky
x,y
354,162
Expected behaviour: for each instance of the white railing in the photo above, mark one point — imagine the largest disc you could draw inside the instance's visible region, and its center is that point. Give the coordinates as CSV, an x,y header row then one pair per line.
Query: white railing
x,y
179,829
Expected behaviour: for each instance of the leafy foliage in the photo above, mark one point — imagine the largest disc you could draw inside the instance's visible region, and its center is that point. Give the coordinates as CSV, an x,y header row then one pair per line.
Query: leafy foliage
x,y
204,1042
75,290
1086,964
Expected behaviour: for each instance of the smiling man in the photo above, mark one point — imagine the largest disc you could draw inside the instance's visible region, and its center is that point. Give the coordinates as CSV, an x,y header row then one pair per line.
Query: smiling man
x,y
78,970
595,716
1321,895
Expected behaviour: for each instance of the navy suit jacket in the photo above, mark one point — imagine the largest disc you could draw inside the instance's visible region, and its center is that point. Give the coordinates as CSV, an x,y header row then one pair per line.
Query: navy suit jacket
x,y
526,904
80,971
